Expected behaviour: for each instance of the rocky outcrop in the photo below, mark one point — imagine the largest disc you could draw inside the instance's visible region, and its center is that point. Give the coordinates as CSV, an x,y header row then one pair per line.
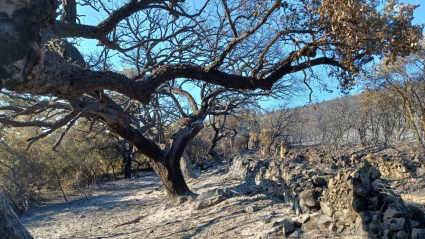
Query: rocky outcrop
x,y
10,227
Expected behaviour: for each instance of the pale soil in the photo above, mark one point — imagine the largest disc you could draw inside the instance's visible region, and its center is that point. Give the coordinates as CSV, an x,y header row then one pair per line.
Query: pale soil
x,y
135,209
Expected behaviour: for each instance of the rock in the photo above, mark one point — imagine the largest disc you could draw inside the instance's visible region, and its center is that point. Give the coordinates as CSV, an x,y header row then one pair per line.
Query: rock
x,y
332,227
416,214
392,213
321,181
395,224
360,190
360,203
10,227
296,234
245,168
377,184
324,222
340,228
305,219
251,209
400,235
360,227
288,226
280,229
318,236
267,219
418,233
326,209
309,200
420,171
211,198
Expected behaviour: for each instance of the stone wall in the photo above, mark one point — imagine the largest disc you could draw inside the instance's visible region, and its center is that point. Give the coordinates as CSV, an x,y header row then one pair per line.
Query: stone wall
x,y
347,201
358,202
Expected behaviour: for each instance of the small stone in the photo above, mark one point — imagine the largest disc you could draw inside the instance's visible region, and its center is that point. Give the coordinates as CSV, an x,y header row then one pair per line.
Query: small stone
x,y
418,233
288,226
332,227
324,222
251,209
400,235
340,228
211,198
266,219
395,224
392,213
296,234
309,199
319,235
320,181
360,190
326,209
360,227
305,219
414,223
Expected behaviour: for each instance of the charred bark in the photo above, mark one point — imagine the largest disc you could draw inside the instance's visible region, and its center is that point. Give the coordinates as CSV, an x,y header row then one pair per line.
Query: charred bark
x,y
127,160
172,178
215,157
211,151
10,227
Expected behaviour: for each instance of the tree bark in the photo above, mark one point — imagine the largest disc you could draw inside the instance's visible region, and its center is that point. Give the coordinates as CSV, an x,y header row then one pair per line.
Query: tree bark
x,y
10,227
172,178
127,165
211,152
187,167
215,157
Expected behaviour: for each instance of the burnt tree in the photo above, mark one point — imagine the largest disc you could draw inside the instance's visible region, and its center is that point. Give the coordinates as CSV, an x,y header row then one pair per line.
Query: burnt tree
x,y
245,45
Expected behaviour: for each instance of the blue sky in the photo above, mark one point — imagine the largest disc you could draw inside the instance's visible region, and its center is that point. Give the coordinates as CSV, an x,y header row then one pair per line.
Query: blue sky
x,y
318,94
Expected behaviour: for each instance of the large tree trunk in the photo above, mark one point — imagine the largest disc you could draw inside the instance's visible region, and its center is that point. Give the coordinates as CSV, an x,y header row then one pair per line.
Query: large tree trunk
x,y
166,163
10,227
172,179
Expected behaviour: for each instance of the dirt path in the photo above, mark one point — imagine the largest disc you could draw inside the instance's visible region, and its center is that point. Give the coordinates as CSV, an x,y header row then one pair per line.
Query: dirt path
x,y
135,209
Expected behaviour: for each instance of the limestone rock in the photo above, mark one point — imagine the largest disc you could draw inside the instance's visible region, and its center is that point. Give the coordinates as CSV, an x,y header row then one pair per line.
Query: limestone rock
x,y
324,222
212,197
326,209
